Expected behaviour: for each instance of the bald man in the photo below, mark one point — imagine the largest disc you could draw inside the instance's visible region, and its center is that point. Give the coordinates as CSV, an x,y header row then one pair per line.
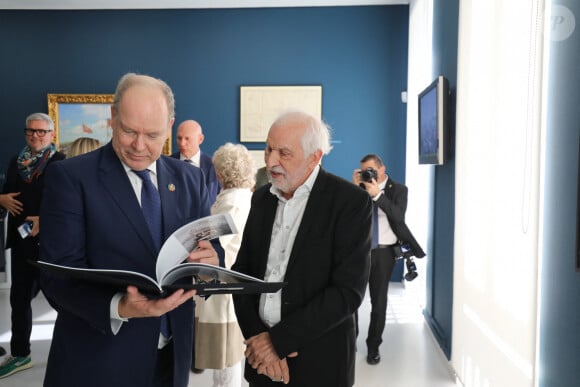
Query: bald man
x,y
189,138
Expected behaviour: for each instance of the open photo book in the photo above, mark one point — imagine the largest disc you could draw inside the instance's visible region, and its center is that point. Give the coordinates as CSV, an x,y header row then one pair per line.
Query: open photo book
x,y
206,279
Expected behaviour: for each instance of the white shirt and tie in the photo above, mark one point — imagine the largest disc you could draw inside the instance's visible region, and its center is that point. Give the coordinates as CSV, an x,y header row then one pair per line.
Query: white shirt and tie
x,y
195,159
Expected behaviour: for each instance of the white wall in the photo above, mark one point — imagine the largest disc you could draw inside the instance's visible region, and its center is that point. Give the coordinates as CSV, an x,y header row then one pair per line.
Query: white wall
x,y
419,178
497,183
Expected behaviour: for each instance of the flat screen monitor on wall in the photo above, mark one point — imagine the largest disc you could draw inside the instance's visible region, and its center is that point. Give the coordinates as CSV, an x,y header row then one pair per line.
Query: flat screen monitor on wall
x,y
433,122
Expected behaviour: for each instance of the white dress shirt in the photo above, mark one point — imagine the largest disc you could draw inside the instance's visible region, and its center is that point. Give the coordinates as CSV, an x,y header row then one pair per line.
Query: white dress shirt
x,y
195,159
288,218
386,233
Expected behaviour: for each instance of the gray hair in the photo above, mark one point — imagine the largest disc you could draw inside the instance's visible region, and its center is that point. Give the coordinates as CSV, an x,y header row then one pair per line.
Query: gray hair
x,y
234,165
131,79
40,117
317,133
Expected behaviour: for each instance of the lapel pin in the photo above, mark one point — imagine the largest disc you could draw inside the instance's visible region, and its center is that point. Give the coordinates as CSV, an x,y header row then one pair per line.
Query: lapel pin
x,y
171,187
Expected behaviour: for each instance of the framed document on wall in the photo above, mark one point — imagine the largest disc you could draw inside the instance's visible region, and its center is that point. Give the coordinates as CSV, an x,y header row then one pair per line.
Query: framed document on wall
x,y
260,105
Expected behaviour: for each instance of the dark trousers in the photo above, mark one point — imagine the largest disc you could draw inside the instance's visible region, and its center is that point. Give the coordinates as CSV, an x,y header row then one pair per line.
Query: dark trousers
x,y
164,366
24,288
382,265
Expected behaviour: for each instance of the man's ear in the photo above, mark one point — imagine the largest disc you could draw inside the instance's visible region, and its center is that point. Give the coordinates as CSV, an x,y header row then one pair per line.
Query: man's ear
x,y
316,158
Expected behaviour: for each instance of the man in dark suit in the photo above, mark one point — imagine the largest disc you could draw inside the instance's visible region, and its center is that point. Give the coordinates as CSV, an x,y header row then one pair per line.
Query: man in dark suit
x,y
21,197
312,230
189,138
389,229
92,217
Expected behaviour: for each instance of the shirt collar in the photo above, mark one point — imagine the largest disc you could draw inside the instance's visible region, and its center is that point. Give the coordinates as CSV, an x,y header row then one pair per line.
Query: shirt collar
x,y
304,189
195,159
152,168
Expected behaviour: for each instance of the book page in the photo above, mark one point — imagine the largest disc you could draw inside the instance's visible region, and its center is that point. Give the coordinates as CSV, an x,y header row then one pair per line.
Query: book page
x,y
206,273
186,238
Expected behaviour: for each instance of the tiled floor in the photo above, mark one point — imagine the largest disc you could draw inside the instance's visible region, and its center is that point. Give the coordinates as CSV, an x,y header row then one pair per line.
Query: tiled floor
x,y
410,356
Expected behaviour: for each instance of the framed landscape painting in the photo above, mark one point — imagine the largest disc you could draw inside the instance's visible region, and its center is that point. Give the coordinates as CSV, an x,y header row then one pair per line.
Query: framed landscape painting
x,y
83,115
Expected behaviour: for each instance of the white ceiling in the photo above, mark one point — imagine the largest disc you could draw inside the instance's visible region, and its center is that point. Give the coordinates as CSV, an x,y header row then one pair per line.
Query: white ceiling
x,y
165,4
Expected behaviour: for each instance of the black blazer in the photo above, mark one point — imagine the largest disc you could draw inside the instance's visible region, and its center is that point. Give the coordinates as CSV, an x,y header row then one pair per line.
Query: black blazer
x,y
394,203
30,196
326,279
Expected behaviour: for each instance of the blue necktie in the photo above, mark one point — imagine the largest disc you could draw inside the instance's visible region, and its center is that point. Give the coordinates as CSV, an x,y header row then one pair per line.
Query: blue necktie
x,y
151,208
375,241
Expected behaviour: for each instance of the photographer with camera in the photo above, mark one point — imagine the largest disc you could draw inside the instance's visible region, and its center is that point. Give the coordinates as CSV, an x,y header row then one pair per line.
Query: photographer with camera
x,y
392,240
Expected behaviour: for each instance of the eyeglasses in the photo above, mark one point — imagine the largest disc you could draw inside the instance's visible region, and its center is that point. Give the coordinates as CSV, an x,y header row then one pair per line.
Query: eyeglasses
x,y
38,132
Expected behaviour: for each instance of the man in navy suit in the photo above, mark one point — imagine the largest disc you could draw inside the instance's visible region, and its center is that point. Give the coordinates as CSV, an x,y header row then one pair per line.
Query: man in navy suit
x,y
189,138
92,217
312,230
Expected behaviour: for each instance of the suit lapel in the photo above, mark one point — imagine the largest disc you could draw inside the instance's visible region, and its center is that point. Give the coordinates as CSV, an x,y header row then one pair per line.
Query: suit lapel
x,y
169,194
388,190
311,214
115,180
267,215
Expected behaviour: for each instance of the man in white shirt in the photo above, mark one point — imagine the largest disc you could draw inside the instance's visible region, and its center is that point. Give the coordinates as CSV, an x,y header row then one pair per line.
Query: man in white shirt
x,y
312,230
189,138
389,206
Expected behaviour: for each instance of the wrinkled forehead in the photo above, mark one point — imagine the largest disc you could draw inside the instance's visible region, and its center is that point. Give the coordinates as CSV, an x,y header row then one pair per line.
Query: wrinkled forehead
x,y
286,135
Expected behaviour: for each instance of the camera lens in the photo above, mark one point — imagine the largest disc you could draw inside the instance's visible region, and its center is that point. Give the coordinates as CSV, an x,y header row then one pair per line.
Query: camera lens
x,y
368,174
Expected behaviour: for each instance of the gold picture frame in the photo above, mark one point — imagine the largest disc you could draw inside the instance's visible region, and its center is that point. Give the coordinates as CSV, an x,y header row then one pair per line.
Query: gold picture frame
x,y
84,115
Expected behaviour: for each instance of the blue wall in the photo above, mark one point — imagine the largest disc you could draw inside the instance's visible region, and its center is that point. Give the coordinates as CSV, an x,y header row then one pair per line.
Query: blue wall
x,y
357,54
439,307
560,282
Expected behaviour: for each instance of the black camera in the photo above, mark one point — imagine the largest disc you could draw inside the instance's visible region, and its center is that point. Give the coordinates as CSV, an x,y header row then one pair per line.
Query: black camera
x,y
411,273
403,251
369,174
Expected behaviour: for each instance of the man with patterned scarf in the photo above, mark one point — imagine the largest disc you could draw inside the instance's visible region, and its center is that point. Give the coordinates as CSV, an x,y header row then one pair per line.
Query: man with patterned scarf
x,y
21,197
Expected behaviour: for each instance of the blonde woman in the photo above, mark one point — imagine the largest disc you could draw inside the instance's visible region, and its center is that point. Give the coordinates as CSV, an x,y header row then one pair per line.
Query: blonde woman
x,y
82,145
218,339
